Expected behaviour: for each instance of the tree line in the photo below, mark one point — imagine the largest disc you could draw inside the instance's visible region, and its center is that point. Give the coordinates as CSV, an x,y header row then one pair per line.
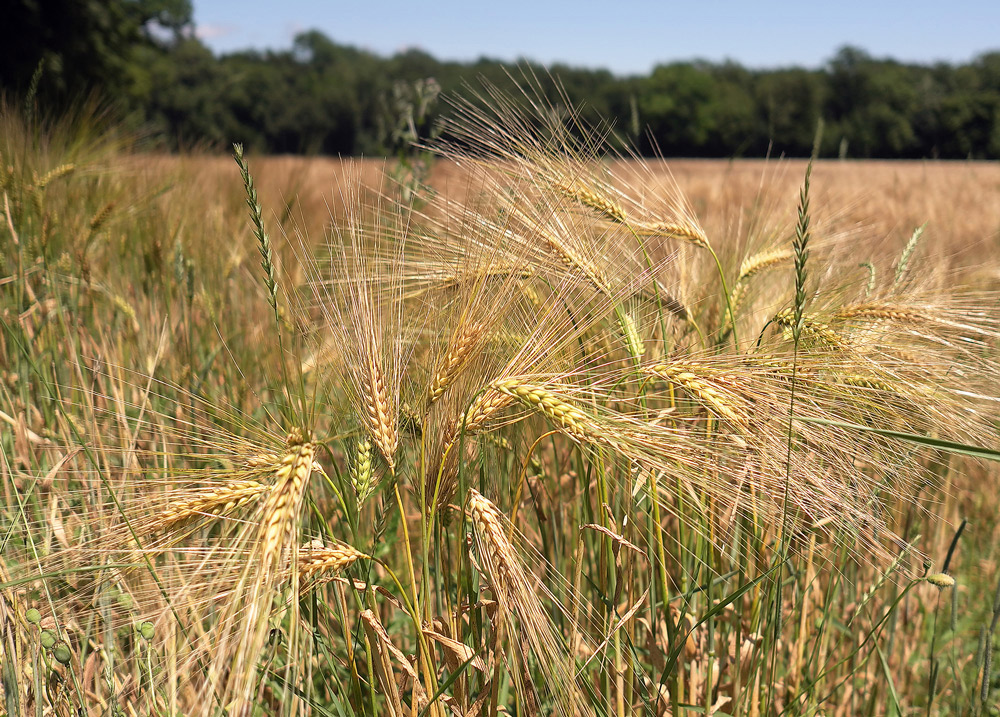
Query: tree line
x,y
321,96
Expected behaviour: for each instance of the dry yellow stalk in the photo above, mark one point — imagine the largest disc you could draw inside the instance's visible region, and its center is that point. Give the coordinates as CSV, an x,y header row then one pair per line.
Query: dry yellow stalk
x,y
381,643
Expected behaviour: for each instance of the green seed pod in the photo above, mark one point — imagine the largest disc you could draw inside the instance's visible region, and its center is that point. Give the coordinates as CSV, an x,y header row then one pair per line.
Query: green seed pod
x,y
62,653
146,630
47,639
33,616
125,601
941,580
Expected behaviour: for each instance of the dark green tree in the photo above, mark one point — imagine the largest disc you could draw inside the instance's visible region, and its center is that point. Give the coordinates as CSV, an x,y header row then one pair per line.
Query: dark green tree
x,y
84,46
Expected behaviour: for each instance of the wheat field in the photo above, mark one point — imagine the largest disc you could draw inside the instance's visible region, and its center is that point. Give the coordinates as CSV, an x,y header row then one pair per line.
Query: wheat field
x,y
530,428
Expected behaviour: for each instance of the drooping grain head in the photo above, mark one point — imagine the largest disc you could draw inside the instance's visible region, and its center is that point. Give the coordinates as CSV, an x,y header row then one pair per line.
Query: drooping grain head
x,y
813,330
216,501
327,559
588,197
686,231
280,511
709,387
491,539
380,414
464,345
571,420
244,624
526,625
762,261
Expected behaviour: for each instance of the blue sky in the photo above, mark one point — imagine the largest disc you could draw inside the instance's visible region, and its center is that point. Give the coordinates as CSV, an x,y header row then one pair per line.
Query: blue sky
x,y
626,36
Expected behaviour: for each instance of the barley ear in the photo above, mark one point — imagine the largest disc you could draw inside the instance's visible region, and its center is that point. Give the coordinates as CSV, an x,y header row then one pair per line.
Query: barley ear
x,y
257,218
870,286
911,246
800,248
362,472
317,559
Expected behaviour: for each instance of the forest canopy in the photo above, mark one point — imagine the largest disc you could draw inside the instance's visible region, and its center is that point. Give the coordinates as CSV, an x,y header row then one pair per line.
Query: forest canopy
x,y
321,96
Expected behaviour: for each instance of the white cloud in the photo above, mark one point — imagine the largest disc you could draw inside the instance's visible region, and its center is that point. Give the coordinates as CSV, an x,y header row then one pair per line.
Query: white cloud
x,y
292,29
214,32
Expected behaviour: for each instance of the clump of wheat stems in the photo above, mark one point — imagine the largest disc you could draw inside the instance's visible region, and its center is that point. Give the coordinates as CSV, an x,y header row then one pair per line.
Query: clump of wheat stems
x,y
684,515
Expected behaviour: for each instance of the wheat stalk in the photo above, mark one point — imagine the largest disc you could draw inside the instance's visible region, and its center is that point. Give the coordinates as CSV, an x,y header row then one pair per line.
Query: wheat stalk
x,y
281,509
360,296
869,382
53,174
586,196
674,230
101,216
485,406
571,420
613,211
260,232
491,540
